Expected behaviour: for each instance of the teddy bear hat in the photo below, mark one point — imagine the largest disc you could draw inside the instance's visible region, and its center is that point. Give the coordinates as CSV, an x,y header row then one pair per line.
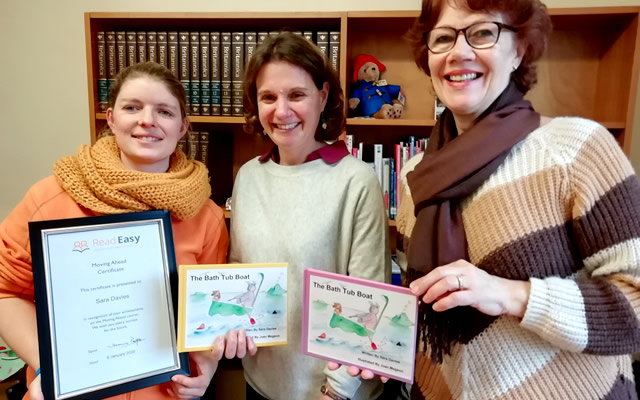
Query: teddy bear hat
x,y
362,59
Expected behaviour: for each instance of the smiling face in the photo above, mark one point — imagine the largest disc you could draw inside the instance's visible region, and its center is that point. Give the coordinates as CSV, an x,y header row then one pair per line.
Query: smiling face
x,y
147,124
289,107
468,80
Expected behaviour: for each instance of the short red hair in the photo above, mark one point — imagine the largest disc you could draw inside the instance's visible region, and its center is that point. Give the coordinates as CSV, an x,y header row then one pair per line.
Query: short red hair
x,y
528,16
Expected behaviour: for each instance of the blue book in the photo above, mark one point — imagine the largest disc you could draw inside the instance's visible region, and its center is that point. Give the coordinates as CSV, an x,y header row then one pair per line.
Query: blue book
x,y
412,146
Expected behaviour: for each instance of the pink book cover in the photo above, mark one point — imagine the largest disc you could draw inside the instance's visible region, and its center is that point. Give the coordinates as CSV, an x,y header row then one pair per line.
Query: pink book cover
x,y
359,322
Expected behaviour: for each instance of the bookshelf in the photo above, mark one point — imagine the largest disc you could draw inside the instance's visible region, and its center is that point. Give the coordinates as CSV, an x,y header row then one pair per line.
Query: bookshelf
x,y
590,70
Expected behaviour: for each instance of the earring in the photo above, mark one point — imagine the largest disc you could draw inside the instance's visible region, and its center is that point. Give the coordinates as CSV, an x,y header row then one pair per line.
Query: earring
x,y
514,68
323,121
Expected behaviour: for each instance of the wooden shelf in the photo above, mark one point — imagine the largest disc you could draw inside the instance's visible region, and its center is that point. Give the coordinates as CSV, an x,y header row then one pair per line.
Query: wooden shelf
x,y
198,119
590,70
613,125
234,16
390,122
383,14
350,121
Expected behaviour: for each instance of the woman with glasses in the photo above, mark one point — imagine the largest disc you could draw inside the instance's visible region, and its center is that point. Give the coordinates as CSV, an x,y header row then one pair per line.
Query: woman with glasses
x,y
522,232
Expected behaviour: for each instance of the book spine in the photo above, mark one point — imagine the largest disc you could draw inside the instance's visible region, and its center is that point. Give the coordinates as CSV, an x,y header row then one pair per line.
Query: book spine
x,y
182,145
172,54
250,43
377,161
194,78
405,155
323,42
237,72
393,192
131,48
152,47
121,45
397,154
204,148
225,67
103,84
412,146
334,50
112,61
386,173
349,142
193,144
183,65
162,48
205,75
141,46
261,37
308,35
216,90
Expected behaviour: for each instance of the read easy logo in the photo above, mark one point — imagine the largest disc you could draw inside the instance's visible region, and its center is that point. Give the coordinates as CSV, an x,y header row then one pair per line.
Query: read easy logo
x,y
115,241
80,246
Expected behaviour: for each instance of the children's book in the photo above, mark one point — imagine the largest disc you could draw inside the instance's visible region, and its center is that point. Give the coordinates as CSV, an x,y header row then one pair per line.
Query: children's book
x,y
214,299
357,322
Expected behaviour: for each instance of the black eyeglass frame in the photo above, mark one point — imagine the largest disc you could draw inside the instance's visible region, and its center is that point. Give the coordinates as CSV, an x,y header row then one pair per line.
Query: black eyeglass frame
x,y
500,25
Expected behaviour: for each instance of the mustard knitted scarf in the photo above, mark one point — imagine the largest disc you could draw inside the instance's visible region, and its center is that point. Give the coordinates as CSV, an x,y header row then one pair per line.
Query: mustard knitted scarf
x,y
96,179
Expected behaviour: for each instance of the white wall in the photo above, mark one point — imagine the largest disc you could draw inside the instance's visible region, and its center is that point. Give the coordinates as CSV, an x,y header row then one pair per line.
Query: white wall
x,y
43,84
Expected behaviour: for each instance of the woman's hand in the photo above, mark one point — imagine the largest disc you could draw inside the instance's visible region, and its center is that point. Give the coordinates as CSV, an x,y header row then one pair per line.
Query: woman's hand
x,y
355,371
461,283
238,344
35,389
234,344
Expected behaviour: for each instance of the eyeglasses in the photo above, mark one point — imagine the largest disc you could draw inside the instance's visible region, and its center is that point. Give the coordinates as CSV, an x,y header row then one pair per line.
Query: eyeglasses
x,y
481,35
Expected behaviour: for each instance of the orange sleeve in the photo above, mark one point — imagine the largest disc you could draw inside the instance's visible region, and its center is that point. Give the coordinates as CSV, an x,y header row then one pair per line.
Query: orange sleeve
x,y
16,276
216,244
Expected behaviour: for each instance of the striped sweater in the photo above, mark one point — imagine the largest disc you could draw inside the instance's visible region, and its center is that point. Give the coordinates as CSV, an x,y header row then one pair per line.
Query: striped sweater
x,y
562,211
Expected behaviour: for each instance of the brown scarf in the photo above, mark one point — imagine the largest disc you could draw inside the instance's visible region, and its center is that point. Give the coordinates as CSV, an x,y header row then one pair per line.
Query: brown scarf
x,y
452,168
96,179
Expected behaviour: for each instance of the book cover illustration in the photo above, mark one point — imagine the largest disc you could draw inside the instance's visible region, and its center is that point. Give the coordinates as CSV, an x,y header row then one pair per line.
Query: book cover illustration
x,y
358,322
214,299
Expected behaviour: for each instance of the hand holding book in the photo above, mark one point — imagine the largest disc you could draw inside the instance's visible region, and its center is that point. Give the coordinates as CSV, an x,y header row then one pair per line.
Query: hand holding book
x,y
355,371
235,343
366,325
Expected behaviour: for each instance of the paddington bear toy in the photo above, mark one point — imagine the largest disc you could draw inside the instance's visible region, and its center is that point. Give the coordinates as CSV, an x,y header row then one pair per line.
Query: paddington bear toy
x,y
371,95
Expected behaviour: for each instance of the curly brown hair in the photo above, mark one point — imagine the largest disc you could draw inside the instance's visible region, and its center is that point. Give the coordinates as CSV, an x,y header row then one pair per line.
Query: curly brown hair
x,y
296,50
529,17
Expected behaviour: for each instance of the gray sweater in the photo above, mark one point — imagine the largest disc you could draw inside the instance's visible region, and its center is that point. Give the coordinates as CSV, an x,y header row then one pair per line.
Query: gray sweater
x,y
314,215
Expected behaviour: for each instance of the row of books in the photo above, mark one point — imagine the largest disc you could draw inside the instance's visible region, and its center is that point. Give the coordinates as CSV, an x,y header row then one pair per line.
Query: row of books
x,y
388,168
210,65
196,146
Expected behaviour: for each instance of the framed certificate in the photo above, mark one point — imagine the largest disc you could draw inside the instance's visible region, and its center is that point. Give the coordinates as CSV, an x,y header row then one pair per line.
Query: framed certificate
x,y
105,291
358,322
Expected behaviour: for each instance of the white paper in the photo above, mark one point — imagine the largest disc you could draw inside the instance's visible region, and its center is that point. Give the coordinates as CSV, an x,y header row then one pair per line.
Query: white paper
x,y
109,305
